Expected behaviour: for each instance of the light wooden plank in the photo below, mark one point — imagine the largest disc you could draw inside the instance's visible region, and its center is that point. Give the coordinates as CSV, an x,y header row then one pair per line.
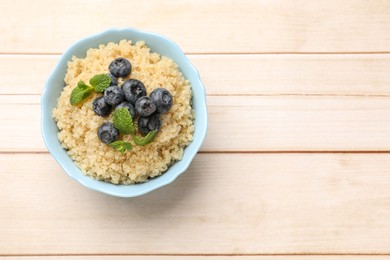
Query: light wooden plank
x,y
242,74
204,26
288,74
298,124
21,123
247,123
224,204
25,74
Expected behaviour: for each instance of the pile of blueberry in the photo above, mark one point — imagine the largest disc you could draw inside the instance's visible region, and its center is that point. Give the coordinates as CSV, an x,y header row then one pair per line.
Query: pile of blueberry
x,y
131,95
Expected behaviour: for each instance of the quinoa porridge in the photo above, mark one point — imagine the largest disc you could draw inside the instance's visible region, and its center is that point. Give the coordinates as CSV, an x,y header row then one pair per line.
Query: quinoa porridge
x,y
78,125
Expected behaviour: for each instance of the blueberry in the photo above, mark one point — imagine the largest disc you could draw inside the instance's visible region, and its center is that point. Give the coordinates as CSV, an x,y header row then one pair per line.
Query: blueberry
x,y
107,133
100,107
129,107
120,67
114,80
145,106
113,95
147,124
133,90
163,99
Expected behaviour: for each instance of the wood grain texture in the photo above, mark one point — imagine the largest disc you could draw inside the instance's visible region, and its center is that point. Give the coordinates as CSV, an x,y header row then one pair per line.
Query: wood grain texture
x,y
209,257
235,204
245,74
205,26
292,86
246,123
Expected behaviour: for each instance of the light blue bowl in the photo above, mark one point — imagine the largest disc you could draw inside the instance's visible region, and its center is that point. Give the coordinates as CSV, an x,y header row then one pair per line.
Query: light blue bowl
x,y
55,84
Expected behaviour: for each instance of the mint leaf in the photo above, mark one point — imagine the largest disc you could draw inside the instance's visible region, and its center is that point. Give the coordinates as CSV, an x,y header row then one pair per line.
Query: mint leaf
x,y
80,93
123,121
100,82
145,140
121,146
81,85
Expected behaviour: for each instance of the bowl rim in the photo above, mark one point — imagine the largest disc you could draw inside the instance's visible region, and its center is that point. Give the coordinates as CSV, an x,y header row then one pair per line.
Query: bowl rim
x,y
86,180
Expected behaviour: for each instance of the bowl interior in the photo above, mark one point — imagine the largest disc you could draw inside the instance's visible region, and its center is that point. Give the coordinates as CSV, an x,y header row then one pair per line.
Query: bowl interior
x,y
55,84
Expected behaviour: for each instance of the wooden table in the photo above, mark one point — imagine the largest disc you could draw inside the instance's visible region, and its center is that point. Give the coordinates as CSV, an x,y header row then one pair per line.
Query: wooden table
x,y
296,163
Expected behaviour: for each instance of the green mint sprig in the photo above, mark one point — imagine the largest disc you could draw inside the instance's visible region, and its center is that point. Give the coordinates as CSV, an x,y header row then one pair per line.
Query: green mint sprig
x,y
121,146
80,93
123,121
146,139
100,82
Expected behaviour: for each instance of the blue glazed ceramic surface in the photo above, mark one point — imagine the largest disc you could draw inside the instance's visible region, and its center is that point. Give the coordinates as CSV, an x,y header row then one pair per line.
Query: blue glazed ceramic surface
x,y
55,84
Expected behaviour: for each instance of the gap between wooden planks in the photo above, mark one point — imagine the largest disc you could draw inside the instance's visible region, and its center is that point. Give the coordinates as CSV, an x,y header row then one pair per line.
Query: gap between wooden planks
x,y
221,26
246,124
345,75
196,257
223,204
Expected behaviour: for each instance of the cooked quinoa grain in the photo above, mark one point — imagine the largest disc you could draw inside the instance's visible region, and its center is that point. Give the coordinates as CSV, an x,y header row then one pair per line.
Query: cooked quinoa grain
x,y
78,124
